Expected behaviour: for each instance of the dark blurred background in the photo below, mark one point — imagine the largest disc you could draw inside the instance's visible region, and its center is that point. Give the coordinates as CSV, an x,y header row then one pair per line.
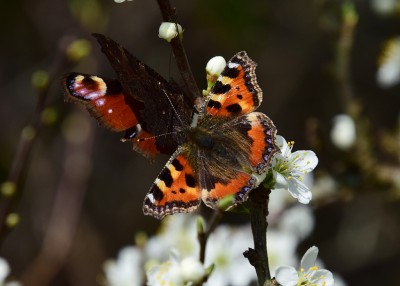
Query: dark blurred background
x,y
81,198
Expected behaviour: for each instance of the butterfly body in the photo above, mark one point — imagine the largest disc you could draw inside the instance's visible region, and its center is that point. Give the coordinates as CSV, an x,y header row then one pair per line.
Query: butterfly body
x,y
213,156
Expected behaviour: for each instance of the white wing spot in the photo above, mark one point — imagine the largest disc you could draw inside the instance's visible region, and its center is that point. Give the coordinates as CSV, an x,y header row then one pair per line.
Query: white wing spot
x,y
232,65
151,198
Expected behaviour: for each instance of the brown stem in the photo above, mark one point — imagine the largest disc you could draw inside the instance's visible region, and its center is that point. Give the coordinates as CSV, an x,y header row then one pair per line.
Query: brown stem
x,y
343,54
257,203
203,236
168,15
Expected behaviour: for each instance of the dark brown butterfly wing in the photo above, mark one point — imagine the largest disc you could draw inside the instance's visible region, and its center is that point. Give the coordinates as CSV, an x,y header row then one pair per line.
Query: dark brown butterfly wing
x,y
164,106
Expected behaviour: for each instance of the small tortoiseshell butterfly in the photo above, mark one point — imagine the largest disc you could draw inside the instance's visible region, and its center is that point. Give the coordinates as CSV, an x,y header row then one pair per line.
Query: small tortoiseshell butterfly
x,y
213,156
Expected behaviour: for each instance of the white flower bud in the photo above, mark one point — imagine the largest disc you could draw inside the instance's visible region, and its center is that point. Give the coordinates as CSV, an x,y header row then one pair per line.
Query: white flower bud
x,y
120,1
388,73
216,65
168,31
192,270
343,133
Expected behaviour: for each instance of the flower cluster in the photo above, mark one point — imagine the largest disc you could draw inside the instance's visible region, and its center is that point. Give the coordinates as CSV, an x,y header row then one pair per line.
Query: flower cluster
x,y
176,271
181,266
161,266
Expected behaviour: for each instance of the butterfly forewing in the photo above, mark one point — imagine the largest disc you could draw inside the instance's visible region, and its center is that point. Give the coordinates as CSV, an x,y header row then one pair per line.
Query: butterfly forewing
x,y
236,90
164,107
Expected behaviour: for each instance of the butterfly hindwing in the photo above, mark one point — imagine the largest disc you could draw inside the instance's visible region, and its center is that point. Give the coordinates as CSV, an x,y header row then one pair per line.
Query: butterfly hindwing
x,y
175,190
239,186
251,144
260,131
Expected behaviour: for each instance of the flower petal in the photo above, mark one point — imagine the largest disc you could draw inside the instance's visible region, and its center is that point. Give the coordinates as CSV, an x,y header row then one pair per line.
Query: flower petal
x,y
287,276
309,258
168,31
280,181
322,277
216,65
191,269
126,269
282,144
304,160
299,191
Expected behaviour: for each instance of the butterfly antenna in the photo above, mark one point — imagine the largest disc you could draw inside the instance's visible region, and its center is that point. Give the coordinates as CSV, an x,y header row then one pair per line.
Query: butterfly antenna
x,y
173,108
156,136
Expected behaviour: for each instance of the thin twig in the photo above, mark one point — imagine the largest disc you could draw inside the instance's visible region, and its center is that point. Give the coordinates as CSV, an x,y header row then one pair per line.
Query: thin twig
x,y
203,236
344,47
168,15
257,203
27,140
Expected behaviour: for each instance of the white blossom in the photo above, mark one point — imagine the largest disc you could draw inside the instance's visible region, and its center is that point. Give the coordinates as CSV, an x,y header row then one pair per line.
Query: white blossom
x,y
343,133
290,168
176,272
298,220
281,248
168,31
308,274
126,270
192,269
177,232
4,272
225,249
